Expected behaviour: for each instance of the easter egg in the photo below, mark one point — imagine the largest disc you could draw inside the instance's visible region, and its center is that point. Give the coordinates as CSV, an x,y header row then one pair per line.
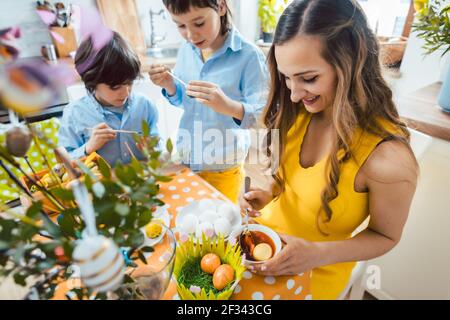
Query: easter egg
x,y
18,141
208,216
205,227
222,226
210,262
101,263
226,211
206,204
262,252
153,229
189,223
223,275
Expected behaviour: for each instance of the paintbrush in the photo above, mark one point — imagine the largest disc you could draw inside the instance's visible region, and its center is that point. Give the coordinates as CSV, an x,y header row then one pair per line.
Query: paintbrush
x,y
176,78
120,131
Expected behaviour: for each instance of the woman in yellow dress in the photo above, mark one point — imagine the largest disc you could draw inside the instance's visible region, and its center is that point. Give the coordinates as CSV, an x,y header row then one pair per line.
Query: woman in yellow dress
x,y
344,154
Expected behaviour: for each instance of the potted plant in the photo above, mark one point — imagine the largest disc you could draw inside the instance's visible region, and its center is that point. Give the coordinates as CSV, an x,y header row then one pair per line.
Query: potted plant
x,y
433,25
268,12
39,251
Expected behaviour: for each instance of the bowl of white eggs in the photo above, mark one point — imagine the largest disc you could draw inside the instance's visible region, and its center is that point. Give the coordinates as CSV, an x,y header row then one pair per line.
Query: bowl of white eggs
x,y
213,217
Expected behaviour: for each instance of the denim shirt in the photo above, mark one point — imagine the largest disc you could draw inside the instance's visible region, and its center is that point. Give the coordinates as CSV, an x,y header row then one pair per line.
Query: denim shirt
x,y
215,141
85,113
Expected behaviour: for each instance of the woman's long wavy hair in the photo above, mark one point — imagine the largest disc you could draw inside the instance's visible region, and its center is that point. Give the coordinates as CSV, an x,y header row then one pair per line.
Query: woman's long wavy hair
x,y
362,96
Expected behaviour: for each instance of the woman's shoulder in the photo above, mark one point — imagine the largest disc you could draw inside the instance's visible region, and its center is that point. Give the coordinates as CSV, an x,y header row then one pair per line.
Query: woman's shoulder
x,y
391,161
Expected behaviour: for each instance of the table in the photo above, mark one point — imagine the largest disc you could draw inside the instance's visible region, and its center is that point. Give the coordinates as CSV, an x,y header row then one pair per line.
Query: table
x,y
420,110
187,187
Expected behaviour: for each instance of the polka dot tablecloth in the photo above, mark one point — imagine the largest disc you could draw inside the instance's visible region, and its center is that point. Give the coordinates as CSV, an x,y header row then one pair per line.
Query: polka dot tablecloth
x,y
187,187
49,128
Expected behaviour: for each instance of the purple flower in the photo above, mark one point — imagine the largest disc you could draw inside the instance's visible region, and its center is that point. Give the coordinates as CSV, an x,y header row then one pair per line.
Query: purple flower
x,y
195,289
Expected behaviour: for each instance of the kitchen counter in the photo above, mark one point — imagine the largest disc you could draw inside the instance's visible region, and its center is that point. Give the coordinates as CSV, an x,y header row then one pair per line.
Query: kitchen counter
x,y
421,112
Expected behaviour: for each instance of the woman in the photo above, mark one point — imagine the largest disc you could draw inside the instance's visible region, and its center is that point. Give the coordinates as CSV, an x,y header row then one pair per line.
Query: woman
x,y
344,152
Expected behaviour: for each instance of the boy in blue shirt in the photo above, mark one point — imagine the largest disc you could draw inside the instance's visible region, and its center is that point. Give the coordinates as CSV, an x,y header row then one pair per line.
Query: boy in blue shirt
x,y
223,87
90,124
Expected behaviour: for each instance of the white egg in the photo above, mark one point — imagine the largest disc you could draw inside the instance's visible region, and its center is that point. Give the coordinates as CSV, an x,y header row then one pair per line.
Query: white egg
x,y
189,223
227,211
206,204
101,263
222,226
205,227
208,216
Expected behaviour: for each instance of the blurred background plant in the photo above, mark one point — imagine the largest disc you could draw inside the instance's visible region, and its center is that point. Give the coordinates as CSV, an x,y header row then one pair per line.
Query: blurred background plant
x,y
36,250
433,25
269,12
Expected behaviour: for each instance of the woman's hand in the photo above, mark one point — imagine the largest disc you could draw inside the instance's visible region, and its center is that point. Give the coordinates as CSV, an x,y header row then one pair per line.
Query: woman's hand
x,y
212,96
101,134
160,77
296,257
255,200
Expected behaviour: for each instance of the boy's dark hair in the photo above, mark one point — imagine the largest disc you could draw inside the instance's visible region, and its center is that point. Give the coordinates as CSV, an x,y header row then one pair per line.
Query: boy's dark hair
x,y
114,64
183,6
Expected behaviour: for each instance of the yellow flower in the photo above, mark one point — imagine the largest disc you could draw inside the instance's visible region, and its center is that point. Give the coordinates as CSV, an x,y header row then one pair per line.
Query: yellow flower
x,y
419,4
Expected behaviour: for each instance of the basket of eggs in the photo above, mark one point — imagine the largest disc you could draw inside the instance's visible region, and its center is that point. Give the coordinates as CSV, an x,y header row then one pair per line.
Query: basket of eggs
x,y
60,178
207,270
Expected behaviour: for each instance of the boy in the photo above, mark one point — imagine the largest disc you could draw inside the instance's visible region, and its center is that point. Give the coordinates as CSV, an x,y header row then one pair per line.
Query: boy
x,y
90,124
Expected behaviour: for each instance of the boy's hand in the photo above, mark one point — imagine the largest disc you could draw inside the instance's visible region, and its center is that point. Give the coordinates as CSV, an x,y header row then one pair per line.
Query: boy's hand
x,y
101,134
160,77
212,96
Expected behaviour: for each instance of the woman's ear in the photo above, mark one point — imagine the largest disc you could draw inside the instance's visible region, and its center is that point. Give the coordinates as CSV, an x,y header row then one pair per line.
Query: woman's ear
x,y
223,8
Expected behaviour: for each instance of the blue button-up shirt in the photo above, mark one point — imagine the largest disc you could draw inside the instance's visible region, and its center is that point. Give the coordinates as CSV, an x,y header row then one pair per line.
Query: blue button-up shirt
x,y
85,113
211,140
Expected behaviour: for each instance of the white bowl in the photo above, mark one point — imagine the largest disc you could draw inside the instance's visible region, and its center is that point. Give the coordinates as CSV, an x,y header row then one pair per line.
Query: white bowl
x,y
261,228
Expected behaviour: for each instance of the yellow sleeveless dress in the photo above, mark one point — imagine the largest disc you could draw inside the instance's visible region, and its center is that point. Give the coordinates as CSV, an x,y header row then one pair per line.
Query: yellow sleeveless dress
x,y
296,210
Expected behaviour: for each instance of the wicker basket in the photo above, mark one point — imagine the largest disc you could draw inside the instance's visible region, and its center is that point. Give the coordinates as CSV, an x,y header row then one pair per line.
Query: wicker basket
x,y
392,50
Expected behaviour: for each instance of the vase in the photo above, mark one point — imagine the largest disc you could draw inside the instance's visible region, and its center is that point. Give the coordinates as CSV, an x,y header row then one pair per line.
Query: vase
x,y
267,37
444,95
150,281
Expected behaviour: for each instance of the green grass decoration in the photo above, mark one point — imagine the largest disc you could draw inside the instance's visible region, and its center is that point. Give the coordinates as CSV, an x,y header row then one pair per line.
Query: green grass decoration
x,y
187,270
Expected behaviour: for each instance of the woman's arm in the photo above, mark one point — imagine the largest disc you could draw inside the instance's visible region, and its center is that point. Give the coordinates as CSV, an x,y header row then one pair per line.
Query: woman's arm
x,y
391,176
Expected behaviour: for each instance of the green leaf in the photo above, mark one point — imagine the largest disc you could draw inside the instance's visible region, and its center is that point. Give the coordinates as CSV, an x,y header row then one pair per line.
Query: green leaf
x,y
67,225
63,194
50,226
34,209
98,189
137,166
20,279
169,146
104,168
147,249
142,257
145,129
122,209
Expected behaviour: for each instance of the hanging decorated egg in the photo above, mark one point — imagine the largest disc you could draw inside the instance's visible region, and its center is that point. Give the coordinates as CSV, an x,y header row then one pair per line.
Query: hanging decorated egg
x,y
18,141
101,263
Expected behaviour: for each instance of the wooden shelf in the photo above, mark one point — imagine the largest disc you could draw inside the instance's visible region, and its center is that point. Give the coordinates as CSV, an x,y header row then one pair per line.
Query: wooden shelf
x,y
421,111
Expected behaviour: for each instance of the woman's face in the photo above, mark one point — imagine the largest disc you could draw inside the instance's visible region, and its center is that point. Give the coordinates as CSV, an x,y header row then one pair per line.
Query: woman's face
x,y
201,26
113,96
310,78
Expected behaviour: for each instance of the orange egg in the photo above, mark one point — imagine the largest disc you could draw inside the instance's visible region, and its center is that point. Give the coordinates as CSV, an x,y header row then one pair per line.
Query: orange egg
x,y
210,262
223,276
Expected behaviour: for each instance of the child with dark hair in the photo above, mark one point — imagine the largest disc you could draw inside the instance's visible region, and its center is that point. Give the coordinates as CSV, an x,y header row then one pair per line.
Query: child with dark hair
x,y
227,81
90,124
